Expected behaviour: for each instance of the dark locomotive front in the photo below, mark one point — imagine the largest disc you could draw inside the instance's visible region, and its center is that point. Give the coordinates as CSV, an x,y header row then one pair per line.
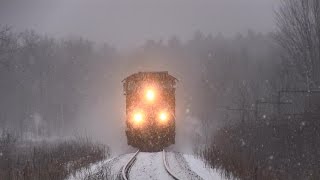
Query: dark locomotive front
x,y
150,110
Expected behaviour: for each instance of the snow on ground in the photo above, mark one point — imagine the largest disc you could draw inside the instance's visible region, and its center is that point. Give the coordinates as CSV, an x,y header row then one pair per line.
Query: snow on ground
x,y
180,167
110,167
92,169
149,166
199,167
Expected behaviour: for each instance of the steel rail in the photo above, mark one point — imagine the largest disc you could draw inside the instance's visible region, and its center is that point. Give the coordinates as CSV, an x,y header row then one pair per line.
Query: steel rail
x,y
175,177
128,165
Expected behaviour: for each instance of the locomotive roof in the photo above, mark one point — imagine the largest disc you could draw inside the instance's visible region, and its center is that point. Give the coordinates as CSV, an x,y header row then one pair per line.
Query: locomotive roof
x,y
139,75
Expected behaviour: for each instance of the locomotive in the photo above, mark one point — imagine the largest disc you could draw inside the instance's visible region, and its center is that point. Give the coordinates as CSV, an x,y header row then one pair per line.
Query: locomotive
x,y
150,110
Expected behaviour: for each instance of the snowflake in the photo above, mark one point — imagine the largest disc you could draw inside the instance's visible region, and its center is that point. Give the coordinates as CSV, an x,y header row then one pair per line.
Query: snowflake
x,y
271,157
243,143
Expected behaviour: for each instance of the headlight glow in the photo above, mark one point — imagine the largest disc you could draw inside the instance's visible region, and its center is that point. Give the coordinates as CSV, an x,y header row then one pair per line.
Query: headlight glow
x,y
163,117
137,118
150,95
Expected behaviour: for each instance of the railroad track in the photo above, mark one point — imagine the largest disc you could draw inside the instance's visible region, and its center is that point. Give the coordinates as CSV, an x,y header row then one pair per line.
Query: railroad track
x,y
126,168
164,158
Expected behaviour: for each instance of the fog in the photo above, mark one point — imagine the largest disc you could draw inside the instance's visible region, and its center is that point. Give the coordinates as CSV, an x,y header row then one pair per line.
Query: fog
x,y
127,24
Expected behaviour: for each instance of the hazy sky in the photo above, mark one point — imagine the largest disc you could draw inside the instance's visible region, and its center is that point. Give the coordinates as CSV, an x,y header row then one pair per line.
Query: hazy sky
x,y
127,23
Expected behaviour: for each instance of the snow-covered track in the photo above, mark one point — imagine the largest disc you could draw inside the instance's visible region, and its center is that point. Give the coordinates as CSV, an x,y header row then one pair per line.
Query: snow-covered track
x,y
126,168
128,165
164,158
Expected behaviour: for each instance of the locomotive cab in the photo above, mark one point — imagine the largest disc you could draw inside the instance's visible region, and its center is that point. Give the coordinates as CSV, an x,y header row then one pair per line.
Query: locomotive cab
x,y
150,110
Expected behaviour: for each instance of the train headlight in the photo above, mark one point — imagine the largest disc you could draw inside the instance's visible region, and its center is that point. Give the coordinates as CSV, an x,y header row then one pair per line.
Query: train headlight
x,y
163,117
137,118
150,95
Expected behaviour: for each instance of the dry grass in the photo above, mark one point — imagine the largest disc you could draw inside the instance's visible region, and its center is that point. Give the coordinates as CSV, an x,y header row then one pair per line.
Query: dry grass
x,y
21,160
285,149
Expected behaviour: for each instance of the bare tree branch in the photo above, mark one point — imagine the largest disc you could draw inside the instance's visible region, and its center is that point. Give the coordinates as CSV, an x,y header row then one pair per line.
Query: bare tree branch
x,y
298,33
8,45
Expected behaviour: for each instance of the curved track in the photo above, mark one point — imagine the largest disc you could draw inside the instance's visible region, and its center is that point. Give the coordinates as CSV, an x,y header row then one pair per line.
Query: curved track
x,y
164,158
128,165
126,168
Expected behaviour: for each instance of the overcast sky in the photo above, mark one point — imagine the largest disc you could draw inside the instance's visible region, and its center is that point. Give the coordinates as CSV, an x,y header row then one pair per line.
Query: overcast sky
x,y
128,23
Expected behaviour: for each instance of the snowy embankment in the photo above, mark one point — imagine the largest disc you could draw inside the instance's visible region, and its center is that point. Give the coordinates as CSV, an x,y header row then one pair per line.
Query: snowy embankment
x,y
149,166
110,168
200,168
